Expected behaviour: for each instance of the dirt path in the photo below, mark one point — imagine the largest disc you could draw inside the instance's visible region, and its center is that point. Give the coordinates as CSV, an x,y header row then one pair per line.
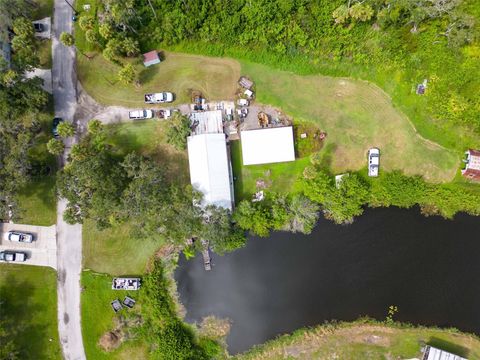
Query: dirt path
x,y
89,109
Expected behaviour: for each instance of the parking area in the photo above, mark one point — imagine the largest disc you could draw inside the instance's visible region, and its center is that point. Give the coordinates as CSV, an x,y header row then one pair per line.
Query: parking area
x,y
42,251
47,28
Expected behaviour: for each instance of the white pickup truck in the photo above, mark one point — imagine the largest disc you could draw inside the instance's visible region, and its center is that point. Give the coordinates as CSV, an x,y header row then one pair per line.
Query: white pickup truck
x,y
373,162
140,114
158,98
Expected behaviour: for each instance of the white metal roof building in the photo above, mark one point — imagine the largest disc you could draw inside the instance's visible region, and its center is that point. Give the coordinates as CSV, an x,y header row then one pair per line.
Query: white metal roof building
x,y
269,145
207,122
210,169
432,353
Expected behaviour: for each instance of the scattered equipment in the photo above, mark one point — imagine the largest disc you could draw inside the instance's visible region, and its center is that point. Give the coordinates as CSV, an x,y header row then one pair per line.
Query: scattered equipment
x,y
125,284
116,305
128,302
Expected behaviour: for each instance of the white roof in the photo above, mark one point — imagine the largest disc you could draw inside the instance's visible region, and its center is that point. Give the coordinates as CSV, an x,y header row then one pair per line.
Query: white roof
x,y
437,354
210,169
209,122
269,145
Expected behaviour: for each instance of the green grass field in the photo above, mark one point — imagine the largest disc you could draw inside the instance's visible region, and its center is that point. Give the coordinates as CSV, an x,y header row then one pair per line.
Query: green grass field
x,y
356,116
44,52
98,318
178,73
37,199
374,341
28,310
278,177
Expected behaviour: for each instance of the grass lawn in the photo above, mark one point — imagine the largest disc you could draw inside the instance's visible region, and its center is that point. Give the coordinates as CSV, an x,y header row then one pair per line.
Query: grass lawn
x,y
98,318
114,250
45,54
43,8
37,199
178,73
364,341
356,116
28,298
278,177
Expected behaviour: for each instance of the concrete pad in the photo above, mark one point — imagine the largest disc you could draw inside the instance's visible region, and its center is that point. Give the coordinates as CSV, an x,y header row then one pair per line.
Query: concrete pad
x,y
48,28
45,75
42,251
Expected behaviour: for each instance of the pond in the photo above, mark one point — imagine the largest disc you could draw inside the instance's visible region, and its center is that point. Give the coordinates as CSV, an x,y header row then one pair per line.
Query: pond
x,y
427,266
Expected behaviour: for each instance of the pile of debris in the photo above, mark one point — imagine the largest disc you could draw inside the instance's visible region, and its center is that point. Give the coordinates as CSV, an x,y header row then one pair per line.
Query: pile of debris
x,y
245,95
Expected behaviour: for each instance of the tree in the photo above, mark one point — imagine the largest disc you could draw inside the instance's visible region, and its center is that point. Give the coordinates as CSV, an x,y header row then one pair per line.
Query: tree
x,y
65,129
86,22
218,229
67,39
178,130
254,216
113,50
130,47
55,146
23,27
361,12
127,74
92,36
106,31
303,214
92,183
341,14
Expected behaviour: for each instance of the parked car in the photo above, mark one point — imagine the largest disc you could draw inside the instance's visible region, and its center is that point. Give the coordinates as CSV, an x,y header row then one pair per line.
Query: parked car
x,y
56,122
157,98
39,27
19,236
140,114
373,162
13,256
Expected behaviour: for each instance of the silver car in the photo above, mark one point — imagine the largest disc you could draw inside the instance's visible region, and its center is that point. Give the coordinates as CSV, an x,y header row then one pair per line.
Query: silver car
x,y
13,256
19,236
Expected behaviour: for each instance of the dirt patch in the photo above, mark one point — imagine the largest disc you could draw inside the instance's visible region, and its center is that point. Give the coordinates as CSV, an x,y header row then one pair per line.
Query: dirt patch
x,y
111,340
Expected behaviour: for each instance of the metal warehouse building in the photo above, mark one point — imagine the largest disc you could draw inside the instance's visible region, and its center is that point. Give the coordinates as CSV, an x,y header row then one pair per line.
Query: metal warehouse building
x,y
269,145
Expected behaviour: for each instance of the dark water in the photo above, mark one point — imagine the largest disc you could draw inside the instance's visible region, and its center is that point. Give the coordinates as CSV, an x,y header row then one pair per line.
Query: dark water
x,y
428,267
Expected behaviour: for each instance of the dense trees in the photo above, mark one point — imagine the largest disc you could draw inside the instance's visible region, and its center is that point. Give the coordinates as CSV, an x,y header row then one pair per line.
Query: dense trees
x,y
168,336
433,39
178,130
21,101
294,213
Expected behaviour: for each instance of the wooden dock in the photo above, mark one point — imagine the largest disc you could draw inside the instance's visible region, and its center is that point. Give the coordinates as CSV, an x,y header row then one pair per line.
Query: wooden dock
x,y
207,261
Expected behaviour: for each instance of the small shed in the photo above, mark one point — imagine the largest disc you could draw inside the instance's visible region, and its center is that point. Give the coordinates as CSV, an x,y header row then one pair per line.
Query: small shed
x,y
471,168
151,58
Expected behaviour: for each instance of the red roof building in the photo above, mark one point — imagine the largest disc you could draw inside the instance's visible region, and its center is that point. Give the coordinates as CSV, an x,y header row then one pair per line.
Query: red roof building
x,y
151,58
472,165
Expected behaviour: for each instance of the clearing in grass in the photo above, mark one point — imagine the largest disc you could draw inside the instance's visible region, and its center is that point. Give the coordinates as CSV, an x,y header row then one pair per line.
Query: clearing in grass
x,y
364,340
28,310
177,73
356,115
98,319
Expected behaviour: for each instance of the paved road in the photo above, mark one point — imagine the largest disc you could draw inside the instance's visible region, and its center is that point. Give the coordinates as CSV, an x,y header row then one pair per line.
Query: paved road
x,y
42,251
69,238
